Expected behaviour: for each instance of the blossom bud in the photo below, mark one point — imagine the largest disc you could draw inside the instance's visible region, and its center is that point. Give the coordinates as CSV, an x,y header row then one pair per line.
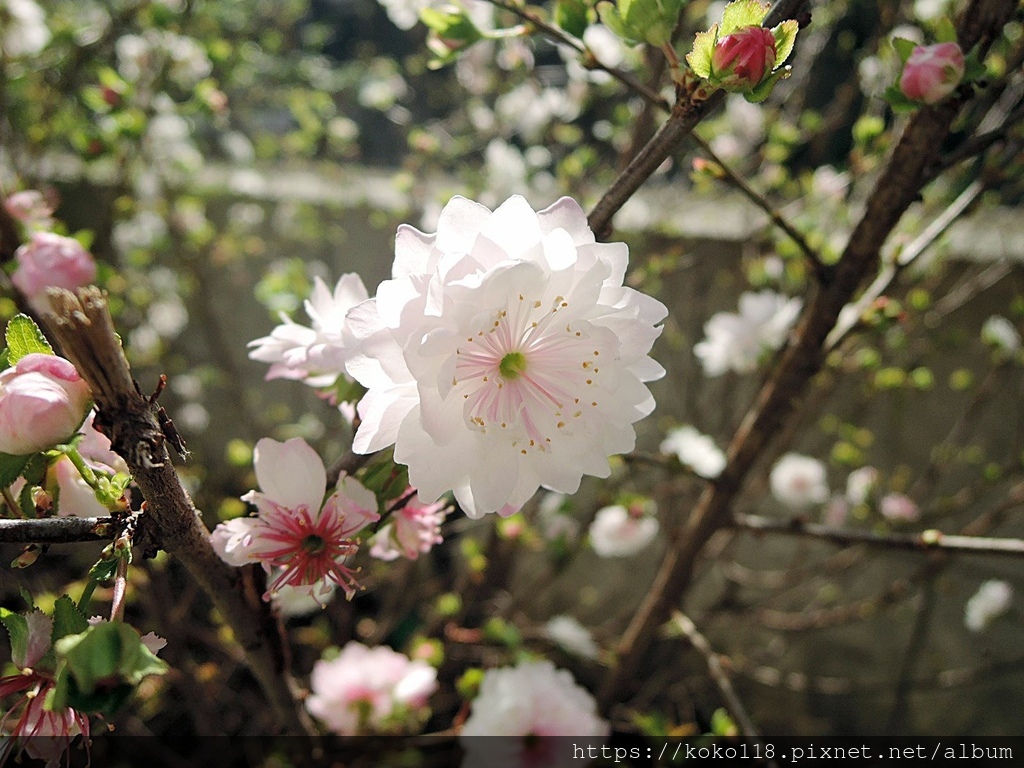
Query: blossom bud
x,y
744,58
932,72
30,207
51,260
43,401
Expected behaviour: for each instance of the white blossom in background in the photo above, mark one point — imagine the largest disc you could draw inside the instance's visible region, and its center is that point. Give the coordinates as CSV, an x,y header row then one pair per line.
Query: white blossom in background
x,y
315,355
899,508
504,354
570,635
1001,334
836,511
694,450
554,519
859,485
23,28
530,108
991,601
799,481
370,690
168,142
745,128
736,342
531,699
620,532
297,535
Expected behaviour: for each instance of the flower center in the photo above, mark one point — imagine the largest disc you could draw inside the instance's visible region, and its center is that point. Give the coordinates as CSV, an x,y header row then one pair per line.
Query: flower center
x,y
314,544
512,365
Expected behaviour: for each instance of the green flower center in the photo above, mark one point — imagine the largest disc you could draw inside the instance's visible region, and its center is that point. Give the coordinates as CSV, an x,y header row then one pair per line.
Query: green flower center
x,y
512,365
314,544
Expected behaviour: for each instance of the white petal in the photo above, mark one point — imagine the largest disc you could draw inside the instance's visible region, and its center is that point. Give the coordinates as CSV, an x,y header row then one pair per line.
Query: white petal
x,y
291,473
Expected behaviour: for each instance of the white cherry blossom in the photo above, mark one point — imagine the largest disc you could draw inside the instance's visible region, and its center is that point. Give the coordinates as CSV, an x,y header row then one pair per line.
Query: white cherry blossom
x,y
991,601
620,532
694,450
799,481
504,354
736,342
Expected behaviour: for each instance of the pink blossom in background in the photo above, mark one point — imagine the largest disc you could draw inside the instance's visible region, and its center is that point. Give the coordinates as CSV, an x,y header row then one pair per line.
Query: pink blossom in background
x,y
504,354
43,401
532,699
899,508
315,355
799,481
411,531
31,208
50,260
370,690
932,72
619,532
295,534
744,58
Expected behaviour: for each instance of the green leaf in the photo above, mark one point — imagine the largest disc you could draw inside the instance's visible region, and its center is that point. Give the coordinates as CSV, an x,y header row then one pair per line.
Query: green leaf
x,y
67,618
26,500
903,48
5,358
764,89
11,467
17,630
945,32
105,662
571,15
25,338
899,103
612,19
699,58
785,39
742,13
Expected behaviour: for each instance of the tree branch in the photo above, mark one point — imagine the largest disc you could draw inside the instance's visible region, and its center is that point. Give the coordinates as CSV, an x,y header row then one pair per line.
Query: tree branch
x,y
84,327
58,530
925,541
895,190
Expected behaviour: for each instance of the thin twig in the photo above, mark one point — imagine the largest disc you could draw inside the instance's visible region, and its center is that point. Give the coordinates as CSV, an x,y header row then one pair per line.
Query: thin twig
x,y
684,624
57,530
926,541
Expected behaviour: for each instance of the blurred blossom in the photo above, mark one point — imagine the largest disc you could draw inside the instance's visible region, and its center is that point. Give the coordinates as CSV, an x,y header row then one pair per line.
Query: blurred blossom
x,y
859,485
606,47
31,208
929,10
143,55
167,316
736,342
694,450
76,497
1001,334
827,182
899,508
504,354
554,520
799,481
529,700
620,532
875,75
144,343
237,147
246,216
192,417
529,109
50,260
411,531
381,86
932,72
992,600
315,355
24,31
370,690
570,635
836,511
168,142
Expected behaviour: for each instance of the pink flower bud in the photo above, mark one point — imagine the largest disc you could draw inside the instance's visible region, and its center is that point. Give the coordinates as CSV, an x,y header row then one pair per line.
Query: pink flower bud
x,y
932,72
744,58
51,260
43,401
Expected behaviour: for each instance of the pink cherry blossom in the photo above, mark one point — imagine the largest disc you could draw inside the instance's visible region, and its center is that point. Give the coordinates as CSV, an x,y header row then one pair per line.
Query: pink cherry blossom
x,y
413,529
370,690
799,481
932,72
31,208
43,401
297,534
50,260
899,508
504,354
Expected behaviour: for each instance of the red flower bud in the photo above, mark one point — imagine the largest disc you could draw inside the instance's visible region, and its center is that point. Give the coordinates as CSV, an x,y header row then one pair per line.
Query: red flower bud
x,y
932,72
744,58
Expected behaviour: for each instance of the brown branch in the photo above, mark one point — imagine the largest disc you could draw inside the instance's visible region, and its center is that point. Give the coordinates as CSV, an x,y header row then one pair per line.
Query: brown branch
x,y
894,192
926,541
693,103
58,530
84,327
